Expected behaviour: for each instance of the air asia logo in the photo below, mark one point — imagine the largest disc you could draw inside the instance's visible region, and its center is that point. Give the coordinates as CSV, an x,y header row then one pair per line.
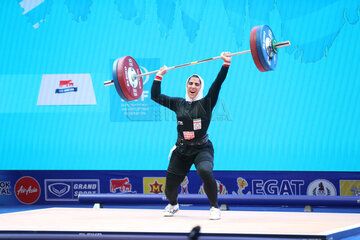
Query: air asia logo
x,y
154,185
27,190
122,184
321,187
5,188
221,188
66,86
242,184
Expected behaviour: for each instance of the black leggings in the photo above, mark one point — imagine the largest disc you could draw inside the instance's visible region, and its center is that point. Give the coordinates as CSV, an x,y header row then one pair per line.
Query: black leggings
x,y
205,171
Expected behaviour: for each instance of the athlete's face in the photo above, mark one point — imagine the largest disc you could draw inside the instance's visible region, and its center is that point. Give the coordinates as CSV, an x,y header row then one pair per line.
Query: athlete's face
x,y
193,87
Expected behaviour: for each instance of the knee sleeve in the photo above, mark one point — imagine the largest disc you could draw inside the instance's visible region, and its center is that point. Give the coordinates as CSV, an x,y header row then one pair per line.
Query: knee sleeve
x,y
204,169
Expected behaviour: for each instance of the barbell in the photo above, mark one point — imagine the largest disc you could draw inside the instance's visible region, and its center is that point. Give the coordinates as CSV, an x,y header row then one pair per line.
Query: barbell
x,y
127,76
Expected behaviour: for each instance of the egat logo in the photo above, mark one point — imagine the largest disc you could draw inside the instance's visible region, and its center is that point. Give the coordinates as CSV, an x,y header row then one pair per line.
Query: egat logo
x,y
27,190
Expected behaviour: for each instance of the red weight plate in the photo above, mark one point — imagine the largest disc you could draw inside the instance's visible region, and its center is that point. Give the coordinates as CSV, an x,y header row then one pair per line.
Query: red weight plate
x,y
131,88
254,51
116,82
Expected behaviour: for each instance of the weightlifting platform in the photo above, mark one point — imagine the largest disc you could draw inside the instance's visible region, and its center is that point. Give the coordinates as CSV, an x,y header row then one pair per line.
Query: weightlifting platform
x,y
138,223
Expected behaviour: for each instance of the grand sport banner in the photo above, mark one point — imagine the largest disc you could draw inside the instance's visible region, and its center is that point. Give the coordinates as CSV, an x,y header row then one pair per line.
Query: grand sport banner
x,y
61,187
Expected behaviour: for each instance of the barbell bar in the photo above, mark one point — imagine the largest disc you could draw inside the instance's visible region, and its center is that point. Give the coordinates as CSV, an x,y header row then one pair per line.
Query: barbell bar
x,y
127,76
277,45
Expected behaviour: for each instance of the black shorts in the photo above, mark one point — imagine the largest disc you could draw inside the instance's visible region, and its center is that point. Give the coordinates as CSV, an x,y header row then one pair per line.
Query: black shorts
x,y
184,156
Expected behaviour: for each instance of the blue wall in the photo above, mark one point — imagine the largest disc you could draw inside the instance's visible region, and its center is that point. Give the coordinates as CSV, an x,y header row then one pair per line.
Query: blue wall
x,y
304,116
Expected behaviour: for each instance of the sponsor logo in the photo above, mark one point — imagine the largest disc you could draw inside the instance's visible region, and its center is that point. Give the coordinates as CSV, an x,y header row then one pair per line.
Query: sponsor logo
x,y
59,189
66,86
221,188
242,184
321,187
156,188
5,187
276,187
349,187
184,186
188,135
122,184
154,185
66,89
69,189
27,190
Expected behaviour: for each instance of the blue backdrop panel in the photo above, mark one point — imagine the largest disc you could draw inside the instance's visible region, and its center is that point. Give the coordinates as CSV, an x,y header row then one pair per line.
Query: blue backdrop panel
x,y
301,117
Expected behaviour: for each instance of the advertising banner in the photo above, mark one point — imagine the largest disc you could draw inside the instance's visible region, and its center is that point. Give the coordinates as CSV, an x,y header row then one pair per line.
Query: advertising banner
x,y
64,187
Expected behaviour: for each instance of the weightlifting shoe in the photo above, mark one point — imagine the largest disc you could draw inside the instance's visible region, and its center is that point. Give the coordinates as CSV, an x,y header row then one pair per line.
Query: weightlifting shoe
x,y
170,210
214,213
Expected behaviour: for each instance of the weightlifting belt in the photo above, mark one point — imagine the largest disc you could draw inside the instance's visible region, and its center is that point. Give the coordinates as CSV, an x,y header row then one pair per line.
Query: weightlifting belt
x,y
194,142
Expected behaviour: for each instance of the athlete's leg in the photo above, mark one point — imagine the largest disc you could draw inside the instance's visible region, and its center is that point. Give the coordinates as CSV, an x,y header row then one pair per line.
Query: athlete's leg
x,y
176,172
172,187
204,168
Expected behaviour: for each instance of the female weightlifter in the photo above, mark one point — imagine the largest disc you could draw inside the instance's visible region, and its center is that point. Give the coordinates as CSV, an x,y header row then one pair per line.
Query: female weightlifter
x,y
192,146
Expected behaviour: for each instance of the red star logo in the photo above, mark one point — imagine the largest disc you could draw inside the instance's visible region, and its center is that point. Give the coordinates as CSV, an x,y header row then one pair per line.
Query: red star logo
x,y
156,187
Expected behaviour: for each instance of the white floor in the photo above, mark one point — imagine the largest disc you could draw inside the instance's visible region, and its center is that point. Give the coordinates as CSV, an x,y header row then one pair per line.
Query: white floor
x,y
152,221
